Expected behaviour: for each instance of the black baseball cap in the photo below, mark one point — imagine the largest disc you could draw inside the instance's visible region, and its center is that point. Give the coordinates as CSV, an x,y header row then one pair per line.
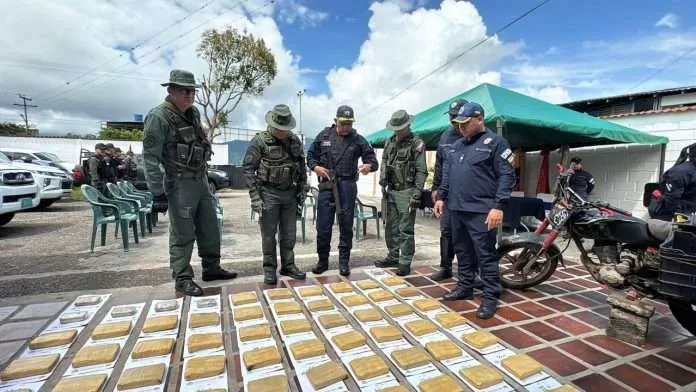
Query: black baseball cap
x,y
345,113
575,160
455,106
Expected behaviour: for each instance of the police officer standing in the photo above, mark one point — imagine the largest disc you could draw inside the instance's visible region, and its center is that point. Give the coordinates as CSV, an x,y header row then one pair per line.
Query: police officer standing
x,y
110,169
477,180
581,182
275,171
677,190
447,139
96,166
333,156
402,179
174,138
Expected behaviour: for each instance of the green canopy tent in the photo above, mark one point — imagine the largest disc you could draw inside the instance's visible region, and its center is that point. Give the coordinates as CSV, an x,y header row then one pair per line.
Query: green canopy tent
x,y
526,122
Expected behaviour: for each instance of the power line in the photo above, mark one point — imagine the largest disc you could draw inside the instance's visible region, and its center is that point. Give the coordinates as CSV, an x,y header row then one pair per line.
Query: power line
x,y
660,70
206,4
63,92
446,64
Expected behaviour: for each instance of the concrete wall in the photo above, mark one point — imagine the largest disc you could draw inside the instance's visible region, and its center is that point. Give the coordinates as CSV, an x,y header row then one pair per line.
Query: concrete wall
x,y
69,149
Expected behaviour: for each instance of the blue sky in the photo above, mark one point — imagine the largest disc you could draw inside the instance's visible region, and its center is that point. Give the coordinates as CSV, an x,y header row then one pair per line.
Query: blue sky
x,y
561,31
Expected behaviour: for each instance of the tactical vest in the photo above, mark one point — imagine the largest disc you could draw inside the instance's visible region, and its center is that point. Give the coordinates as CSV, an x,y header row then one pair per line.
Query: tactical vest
x,y
281,163
401,160
187,148
101,169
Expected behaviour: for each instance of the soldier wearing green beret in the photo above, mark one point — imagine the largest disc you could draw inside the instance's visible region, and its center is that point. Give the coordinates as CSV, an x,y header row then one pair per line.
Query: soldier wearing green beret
x,y
174,138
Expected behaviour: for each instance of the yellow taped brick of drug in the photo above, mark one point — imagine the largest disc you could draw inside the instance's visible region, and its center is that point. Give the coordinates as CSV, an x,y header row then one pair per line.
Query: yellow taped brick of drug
x,y
307,349
90,383
354,300
407,292
420,327
255,332
393,281
326,374
426,304
387,333
244,298
261,357
380,295
398,310
111,330
153,348
290,327
367,284
204,367
367,315
53,339
410,358
440,383
248,313
204,341
310,291
480,339
522,366
143,376
443,349
450,319
369,367
160,323
341,287
285,308
206,319
481,376
349,340
320,305
329,321
96,355
277,383
29,367
276,294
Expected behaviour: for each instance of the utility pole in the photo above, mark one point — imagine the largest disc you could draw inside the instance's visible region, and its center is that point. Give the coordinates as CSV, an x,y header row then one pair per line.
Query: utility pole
x,y
25,116
299,95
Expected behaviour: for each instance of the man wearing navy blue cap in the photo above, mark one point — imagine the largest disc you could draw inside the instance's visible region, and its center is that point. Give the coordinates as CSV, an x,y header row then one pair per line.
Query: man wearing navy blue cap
x,y
447,139
477,180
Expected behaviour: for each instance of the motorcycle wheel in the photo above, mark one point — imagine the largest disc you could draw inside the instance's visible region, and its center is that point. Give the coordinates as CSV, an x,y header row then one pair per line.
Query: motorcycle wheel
x,y
540,272
685,314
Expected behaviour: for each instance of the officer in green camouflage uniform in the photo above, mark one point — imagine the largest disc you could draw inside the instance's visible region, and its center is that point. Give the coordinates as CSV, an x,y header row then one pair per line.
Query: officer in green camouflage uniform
x,y
95,165
274,167
402,179
175,139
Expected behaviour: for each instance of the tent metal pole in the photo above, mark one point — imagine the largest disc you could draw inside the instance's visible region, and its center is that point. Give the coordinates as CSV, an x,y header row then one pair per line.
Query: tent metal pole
x,y
663,152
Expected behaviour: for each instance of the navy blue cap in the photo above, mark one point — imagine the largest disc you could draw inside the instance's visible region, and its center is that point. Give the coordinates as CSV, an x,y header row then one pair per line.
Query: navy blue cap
x,y
455,106
467,111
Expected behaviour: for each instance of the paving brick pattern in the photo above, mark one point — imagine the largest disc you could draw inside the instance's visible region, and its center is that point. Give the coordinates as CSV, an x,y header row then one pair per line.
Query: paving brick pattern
x,y
561,325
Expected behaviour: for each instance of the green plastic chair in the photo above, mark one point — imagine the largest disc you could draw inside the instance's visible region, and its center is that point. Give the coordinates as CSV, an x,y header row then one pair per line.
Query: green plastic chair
x,y
362,216
137,203
313,201
105,211
147,198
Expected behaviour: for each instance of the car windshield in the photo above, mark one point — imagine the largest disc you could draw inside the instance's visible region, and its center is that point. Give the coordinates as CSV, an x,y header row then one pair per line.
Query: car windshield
x,y
47,156
4,158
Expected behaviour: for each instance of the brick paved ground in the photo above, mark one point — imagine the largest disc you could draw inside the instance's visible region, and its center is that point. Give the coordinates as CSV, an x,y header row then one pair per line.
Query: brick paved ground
x,y
560,323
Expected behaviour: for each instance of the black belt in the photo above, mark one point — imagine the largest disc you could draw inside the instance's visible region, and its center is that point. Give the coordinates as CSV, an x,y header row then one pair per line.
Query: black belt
x,y
186,174
400,188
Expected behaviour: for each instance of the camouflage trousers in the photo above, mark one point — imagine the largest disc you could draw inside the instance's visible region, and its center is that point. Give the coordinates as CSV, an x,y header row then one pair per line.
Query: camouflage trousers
x,y
399,233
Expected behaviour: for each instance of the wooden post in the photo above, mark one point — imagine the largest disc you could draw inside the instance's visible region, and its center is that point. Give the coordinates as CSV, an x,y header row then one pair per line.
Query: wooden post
x,y
565,155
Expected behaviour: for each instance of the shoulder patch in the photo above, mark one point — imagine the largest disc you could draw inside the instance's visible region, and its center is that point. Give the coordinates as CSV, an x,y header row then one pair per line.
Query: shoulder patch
x,y
420,147
508,156
150,141
488,140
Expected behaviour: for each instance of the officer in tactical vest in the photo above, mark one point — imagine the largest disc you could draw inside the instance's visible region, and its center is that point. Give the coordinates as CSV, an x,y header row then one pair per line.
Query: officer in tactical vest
x,y
96,168
174,138
274,167
110,169
402,178
334,158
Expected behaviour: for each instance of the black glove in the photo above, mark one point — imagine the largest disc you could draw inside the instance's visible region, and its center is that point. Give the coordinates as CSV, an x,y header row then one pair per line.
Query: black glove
x,y
160,203
299,211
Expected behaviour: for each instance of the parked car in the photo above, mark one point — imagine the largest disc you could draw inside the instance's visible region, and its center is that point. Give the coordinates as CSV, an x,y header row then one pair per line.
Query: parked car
x,y
217,179
18,191
53,183
37,157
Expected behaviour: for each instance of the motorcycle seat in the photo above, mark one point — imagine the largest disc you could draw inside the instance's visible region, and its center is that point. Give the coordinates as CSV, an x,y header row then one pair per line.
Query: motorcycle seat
x,y
659,229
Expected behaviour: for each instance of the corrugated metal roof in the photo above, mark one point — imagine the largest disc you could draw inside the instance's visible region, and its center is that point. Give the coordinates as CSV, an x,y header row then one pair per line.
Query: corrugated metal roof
x,y
649,112
669,91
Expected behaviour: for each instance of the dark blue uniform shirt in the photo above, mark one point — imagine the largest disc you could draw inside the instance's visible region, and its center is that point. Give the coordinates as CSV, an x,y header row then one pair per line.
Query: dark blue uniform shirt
x,y
447,139
330,149
477,174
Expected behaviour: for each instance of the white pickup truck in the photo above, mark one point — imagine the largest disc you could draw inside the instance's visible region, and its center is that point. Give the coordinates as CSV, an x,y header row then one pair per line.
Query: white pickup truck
x,y
18,191
49,179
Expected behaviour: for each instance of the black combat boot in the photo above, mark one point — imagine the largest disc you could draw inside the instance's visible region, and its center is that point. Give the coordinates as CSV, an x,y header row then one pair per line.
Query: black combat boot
x,y
269,277
404,270
442,274
343,267
322,266
459,293
188,287
386,263
487,309
217,273
293,272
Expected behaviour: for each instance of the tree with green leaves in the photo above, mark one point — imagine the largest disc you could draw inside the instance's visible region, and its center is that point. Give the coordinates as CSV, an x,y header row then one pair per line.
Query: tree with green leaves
x,y
239,64
11,129
120,134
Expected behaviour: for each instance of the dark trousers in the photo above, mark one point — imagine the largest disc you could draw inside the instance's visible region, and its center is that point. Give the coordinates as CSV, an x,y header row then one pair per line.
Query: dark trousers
x,y
272,217
474,245
192,217
446,244
326,210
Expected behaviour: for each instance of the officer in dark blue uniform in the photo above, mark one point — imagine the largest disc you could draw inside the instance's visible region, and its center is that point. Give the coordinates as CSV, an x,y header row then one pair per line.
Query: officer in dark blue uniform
x,y
333,156
477,180
581,182
677,192
447,139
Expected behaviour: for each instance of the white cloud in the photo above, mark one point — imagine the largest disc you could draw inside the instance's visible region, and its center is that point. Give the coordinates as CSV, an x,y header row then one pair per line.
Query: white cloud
x,y
408,5
83,37
669,21
292,11
554,94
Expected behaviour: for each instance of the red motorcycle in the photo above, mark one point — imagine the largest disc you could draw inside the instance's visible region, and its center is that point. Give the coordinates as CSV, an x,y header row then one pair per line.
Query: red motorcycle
x,y
653,257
